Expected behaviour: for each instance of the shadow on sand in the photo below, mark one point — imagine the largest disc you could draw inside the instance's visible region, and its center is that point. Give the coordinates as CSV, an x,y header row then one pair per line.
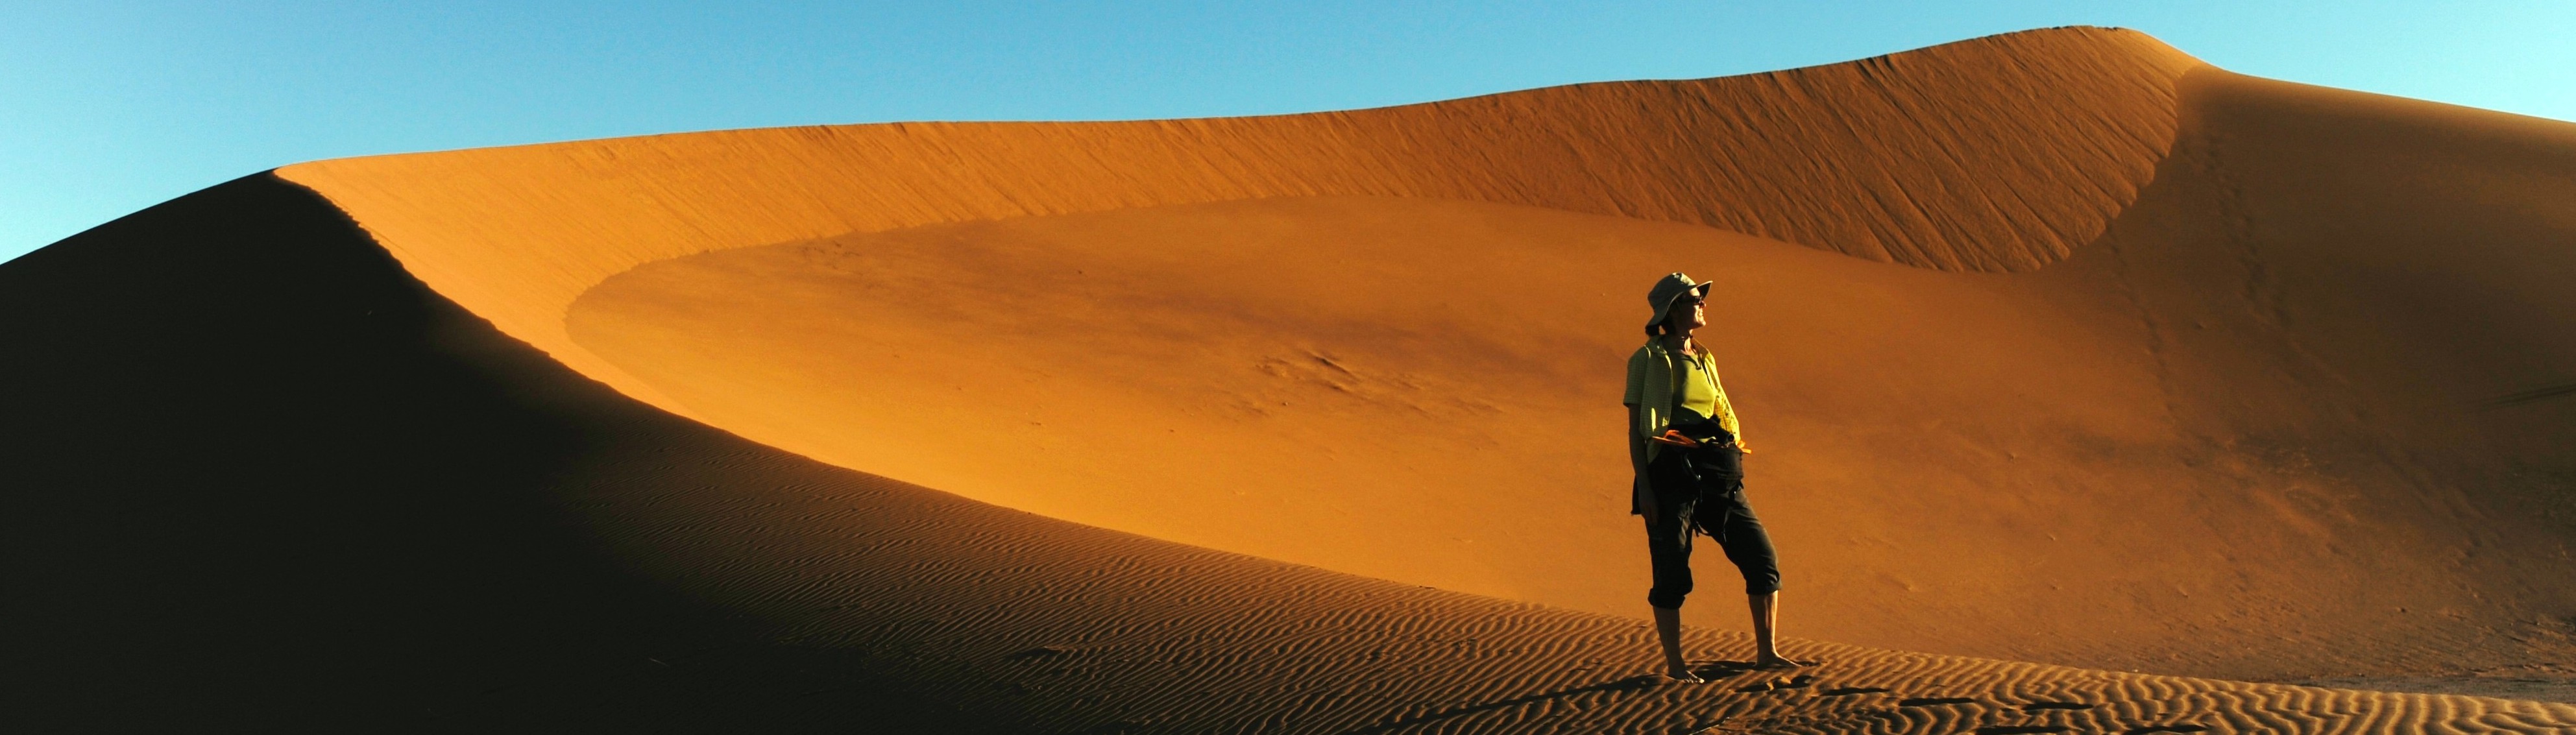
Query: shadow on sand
x,y
1642,682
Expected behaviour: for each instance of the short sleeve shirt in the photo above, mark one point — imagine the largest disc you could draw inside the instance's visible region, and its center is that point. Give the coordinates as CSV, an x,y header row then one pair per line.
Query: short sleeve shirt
x,y
1697,388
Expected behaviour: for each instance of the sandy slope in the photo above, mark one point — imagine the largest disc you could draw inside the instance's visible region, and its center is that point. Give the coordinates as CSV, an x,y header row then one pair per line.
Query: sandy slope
x,y
2260,381
1386,387
332,500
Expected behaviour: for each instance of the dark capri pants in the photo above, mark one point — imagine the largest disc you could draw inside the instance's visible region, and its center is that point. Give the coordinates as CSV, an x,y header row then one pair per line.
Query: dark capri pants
x,y
1703,489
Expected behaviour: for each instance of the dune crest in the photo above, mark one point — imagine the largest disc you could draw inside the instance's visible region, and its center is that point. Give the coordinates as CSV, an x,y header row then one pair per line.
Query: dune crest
x,y
1995,154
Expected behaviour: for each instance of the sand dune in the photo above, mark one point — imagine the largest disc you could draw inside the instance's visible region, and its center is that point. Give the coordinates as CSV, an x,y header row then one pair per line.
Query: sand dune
x,y
2141,365
2041,139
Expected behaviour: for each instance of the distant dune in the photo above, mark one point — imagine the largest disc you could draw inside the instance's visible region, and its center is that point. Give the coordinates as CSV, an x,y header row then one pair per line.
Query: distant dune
x,y
2058,349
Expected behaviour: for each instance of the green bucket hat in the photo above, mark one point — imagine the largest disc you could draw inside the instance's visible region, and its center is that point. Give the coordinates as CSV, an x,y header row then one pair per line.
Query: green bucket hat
x,y
1665,291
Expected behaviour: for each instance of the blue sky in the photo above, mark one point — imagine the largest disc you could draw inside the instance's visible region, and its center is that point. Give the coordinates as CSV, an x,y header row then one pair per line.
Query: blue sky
x,y
107,107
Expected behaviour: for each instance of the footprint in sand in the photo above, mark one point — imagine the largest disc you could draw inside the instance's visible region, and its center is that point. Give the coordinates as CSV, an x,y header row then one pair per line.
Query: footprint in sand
x,y
1802,681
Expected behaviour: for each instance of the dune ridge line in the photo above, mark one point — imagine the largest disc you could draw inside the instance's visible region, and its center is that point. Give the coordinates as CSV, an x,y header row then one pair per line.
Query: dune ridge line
x,y
1996,154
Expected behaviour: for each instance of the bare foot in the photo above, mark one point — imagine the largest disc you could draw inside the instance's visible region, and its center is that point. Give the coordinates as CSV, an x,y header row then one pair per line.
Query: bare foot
x,y
1682,674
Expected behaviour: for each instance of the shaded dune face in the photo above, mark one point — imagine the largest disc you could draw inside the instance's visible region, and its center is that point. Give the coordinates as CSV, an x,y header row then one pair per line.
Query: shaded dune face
x,y
255,478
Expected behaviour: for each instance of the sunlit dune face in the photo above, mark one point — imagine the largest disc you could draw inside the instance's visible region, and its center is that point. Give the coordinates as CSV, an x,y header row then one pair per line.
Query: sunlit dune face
x,y
1420,390
1307,379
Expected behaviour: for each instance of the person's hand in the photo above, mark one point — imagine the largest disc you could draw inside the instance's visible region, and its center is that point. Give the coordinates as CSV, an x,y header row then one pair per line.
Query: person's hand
x,y
1675,438
1739,446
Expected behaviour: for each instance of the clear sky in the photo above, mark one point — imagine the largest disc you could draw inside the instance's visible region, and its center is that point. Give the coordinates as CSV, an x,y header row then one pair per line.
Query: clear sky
x,y
110,106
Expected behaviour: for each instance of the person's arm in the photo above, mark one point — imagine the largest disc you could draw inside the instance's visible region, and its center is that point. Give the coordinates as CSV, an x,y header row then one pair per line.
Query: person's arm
x,y
1637,460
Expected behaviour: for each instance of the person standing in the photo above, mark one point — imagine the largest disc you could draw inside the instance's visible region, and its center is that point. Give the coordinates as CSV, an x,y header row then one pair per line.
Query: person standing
x,y
1688,452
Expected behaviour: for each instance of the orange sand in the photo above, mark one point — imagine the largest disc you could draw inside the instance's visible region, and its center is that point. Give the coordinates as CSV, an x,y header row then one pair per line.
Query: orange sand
x,y
2160,368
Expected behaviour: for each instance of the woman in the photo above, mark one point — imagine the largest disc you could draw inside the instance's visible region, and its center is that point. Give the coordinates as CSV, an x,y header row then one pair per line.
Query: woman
x,y
1685,445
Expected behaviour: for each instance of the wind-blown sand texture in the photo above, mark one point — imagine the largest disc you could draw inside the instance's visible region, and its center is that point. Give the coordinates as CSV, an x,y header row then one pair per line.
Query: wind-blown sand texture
x,y
1297,423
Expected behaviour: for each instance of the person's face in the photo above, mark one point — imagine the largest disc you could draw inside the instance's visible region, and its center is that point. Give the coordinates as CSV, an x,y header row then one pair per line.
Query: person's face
x,y
1688,313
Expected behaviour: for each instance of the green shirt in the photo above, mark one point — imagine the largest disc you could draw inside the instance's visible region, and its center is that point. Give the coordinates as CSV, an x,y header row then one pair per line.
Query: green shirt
x,y
1661,381
1698,389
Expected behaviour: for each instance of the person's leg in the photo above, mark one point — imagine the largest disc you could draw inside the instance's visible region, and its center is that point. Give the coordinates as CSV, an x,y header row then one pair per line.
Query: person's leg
x,y
1668,631
1766,646
1668,546
1748,545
